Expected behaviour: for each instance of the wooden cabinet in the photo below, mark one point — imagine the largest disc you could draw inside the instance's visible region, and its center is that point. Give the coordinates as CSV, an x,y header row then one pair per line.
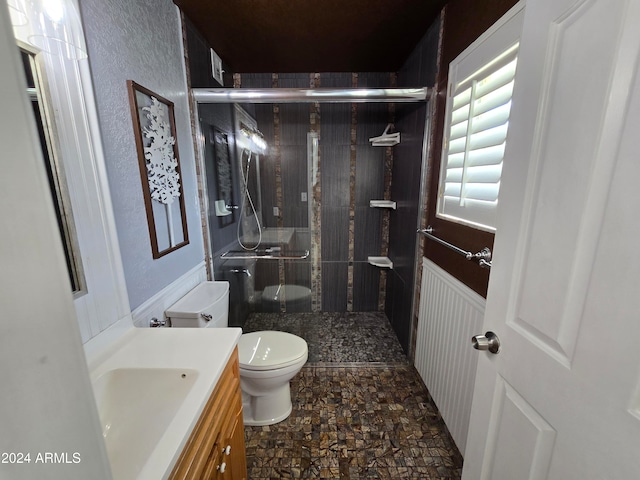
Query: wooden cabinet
x,y
215,450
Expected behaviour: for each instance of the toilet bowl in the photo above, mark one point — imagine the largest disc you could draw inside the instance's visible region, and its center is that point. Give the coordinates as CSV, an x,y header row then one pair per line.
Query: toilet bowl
x,y
268,360
296,298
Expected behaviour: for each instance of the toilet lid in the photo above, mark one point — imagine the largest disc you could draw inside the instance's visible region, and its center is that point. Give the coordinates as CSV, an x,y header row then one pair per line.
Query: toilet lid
x,y
268,350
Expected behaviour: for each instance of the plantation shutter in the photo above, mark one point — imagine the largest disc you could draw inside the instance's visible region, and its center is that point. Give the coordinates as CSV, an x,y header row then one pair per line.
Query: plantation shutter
x,y
478,120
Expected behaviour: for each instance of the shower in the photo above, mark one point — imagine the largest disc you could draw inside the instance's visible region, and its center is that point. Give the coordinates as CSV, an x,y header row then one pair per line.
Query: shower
x,y
303,228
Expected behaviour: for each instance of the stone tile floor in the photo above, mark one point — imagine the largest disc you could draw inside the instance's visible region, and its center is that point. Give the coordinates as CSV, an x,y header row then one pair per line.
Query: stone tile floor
x,y
360,409
337,337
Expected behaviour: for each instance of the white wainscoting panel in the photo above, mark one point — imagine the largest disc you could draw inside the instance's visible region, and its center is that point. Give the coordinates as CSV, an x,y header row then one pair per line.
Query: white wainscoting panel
x,y
450,314
156,305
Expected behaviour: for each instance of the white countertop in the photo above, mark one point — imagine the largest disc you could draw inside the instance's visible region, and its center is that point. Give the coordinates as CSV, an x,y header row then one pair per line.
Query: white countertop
x,y
206,350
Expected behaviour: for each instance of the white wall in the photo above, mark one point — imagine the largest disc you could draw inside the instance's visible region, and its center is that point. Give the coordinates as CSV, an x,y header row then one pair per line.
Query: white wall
x,y
47,402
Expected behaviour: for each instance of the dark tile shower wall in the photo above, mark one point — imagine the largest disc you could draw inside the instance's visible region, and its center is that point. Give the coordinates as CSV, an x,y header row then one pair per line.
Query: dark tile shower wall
x,y
199,59
219,117
335,173
418,70
352,173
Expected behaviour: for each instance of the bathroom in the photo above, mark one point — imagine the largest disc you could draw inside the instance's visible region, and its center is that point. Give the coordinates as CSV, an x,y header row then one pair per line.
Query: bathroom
x,y
122,284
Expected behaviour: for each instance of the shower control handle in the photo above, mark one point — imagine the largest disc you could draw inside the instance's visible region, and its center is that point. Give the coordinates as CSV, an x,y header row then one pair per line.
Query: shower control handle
x,y
489,341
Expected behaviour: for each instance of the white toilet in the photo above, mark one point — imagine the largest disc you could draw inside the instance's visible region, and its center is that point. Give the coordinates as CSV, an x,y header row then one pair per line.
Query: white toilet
x,y
268,360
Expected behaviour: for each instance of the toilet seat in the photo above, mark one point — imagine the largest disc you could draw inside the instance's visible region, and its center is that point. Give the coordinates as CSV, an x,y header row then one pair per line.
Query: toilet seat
x,y
269,350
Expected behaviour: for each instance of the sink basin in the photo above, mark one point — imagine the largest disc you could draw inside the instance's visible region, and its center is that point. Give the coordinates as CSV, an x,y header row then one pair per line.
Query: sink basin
x,y
152,397
151,386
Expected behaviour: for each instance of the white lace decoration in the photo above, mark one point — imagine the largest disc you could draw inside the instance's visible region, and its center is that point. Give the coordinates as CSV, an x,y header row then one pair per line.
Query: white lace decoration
x,y
164,180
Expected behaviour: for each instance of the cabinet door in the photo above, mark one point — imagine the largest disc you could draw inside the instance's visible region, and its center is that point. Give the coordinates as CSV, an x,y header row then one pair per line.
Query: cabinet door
x,y
236,458
215,459
219,426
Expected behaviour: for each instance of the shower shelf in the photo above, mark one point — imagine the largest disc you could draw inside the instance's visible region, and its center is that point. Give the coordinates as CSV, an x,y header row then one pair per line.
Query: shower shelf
x,y
386,139
263,255
382,204
382,262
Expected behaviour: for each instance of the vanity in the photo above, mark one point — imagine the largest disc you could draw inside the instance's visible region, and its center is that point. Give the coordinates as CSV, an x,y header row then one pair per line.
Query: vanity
x,y
170,403
215,449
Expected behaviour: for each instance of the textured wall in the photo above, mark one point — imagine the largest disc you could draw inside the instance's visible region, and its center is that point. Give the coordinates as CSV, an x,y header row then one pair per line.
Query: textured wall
x,y
140,40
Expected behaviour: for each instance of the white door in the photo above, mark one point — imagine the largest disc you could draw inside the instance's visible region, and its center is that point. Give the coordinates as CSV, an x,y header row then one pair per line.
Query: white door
x,y
561,400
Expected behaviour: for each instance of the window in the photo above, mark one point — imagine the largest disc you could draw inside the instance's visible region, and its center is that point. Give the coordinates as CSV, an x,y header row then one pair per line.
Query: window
x,y
478,108
57,183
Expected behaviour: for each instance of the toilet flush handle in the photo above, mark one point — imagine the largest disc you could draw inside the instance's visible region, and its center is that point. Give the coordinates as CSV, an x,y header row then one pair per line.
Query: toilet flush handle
x,y
207,317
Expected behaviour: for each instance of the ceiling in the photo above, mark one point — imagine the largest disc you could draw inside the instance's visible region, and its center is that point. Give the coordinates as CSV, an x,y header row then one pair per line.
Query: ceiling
x,y
278,36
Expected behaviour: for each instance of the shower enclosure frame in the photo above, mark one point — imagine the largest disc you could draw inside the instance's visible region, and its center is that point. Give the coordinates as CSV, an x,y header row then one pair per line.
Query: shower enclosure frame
x,y
307,95
317,95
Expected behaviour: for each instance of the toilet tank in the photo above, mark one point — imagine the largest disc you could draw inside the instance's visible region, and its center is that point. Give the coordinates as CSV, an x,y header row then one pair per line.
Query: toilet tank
x,y
207,305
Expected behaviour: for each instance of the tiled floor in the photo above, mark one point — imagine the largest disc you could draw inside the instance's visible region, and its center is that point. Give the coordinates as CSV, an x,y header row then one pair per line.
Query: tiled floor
x,y
360,409
337,337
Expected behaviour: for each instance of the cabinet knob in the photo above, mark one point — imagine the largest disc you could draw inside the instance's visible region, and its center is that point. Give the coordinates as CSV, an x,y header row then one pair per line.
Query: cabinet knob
x,y
227,451
222,467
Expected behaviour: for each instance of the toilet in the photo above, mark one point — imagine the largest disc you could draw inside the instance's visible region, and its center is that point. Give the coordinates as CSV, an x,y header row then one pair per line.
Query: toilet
x,y
268,359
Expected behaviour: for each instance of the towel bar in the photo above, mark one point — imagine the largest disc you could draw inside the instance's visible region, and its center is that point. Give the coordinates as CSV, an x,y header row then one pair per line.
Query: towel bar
x,y
483,256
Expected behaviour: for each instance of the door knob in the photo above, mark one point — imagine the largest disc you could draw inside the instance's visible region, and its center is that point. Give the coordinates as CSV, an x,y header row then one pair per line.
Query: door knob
x,y
488,341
